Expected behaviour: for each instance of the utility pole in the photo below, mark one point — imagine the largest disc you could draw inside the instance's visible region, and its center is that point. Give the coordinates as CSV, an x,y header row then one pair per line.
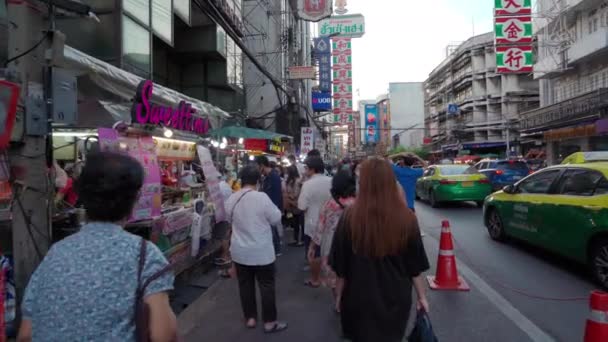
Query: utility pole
x,y
508,138
30,172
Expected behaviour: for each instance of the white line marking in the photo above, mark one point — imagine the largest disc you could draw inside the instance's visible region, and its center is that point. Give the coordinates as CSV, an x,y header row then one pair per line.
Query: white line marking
x,y
503,305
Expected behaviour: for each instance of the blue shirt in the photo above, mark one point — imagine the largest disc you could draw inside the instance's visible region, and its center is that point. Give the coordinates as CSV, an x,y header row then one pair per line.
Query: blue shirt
x,y
84,289
272,187
407,177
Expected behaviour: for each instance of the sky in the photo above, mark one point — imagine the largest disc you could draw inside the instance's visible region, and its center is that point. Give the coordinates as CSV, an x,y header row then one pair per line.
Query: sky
x,y
406,39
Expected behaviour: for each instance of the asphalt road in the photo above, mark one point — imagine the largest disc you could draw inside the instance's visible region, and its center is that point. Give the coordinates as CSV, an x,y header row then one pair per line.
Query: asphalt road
x,y
514,267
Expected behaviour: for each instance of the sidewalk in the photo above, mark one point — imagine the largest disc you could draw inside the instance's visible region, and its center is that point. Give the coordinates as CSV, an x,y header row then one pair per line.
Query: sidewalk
x,y
216,315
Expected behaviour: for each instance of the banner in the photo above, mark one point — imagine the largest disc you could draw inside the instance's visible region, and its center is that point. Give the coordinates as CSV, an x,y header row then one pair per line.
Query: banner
x,y
307,142
212,178
322,52
371,123
314,10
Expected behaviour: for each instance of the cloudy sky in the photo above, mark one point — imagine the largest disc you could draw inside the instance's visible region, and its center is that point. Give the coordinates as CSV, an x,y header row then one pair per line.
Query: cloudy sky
x,y
406,39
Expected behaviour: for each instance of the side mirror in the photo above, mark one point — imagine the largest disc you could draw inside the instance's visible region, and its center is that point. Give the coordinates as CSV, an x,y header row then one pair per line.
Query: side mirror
x,y
509,189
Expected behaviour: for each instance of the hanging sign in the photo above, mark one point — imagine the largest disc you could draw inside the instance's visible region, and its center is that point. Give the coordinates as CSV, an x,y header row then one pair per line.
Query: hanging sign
x,y
314,10
512,30
514,59
512,7
212,178
307,143
346,26
182,118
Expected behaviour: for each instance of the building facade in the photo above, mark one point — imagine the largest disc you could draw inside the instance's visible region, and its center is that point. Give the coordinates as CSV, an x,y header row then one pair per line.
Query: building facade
x,y
572,69
279,40
407,112
384,121
469,108
176,44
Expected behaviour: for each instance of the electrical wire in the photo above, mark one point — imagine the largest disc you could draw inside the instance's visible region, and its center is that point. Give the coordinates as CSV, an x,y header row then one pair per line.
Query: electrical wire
x,y
10,60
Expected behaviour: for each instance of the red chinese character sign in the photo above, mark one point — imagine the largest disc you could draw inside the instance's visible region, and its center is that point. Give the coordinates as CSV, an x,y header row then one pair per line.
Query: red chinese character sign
x,y
511,30
514,59
314,10
512,7
342,80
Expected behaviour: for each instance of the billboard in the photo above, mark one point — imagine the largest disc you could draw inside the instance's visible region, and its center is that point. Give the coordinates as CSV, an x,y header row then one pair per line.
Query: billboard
x,y
371,124
322,48
514,59
342,80
321,101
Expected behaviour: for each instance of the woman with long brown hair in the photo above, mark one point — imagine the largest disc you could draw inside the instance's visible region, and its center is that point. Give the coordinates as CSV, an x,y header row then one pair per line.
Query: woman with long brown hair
x,y
378,255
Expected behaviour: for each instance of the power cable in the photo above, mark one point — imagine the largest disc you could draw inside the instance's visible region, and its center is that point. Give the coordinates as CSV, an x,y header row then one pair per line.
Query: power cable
x,y
14,58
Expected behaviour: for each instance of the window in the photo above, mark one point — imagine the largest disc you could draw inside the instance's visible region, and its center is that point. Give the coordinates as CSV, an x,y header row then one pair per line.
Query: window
x,y
454,170
139,9
428,172
579,182
512,165
182,9
539,183
162,20
136,46
602,187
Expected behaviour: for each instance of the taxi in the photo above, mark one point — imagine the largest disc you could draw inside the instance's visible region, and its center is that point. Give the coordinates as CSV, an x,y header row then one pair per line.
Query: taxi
x,y
562,208
452,183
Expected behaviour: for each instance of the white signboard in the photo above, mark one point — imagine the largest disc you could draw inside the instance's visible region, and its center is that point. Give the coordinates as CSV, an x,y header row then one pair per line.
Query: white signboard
x,y
302,72
345,26
212,178
308,142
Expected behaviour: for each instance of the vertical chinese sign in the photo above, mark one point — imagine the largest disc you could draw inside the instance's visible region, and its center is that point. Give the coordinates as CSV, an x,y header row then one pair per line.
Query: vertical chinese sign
x,y
307,143
342,80
323,54
513,36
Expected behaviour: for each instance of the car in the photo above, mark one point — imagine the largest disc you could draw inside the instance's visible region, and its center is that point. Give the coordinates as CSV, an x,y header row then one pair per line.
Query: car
x,y
452,183
503,172
562,208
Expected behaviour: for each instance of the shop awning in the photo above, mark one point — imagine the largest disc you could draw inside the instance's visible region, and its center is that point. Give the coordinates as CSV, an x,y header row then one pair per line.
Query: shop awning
x,y
245,133
124,84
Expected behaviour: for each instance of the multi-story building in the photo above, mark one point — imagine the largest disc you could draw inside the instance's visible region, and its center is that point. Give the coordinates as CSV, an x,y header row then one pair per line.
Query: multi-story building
x,y
279,40
384,120
468,106
407,112
176,44
572,68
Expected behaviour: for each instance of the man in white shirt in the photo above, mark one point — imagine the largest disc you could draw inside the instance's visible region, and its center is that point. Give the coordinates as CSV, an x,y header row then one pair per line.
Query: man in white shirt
x,y
315,192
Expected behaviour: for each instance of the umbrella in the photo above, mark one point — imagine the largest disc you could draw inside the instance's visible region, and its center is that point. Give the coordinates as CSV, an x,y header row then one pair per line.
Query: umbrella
x,y
245,133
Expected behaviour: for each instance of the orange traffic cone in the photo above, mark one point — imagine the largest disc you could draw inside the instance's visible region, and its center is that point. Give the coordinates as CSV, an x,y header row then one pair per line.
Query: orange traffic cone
x,y
446,277
596,329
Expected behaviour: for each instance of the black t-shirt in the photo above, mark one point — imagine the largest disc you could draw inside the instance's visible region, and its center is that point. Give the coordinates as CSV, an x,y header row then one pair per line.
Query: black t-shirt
x,y
378,291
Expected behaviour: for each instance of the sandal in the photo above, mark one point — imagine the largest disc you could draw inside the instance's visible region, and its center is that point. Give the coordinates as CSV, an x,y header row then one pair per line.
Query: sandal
x,y
309,283
251,326
277,327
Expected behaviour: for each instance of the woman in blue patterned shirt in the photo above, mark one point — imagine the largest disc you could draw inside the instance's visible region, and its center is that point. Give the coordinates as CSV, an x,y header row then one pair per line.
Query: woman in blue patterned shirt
x,y
85,288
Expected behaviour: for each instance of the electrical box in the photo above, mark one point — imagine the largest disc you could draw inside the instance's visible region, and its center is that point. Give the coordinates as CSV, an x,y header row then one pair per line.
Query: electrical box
x,y
36,120
65,98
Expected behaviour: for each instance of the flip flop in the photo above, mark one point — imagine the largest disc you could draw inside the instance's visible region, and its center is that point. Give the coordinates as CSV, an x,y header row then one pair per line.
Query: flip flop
x,y
277,327
252,326
309,283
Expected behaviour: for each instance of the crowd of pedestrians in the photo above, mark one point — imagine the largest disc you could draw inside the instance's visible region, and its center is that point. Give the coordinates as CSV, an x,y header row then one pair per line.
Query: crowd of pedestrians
x,y
358,230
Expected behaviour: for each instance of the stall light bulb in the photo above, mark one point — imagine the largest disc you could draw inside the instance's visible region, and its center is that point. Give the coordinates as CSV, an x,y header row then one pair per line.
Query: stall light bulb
x,y
168,133
224,141
251,158
223,145
214,143
241,141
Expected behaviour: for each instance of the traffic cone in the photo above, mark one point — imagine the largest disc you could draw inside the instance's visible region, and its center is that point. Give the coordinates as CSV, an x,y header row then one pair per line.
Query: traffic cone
x,y
596,329
447,277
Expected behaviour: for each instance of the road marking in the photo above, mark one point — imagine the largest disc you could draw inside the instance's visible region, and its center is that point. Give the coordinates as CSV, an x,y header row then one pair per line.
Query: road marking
x,y
503,305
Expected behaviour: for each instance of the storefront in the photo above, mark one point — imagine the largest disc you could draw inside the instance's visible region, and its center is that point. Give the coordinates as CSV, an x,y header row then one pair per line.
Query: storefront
x,y
578,124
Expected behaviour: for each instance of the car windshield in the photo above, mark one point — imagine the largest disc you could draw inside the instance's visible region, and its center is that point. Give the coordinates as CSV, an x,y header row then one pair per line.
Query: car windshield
x,y
457,170
512,165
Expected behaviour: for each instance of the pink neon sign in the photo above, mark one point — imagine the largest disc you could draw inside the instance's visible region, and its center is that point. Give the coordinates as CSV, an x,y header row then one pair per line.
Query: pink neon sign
x,y
182,118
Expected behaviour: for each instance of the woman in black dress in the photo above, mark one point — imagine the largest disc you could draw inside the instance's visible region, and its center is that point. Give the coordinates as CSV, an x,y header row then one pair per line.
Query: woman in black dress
x,y
378,253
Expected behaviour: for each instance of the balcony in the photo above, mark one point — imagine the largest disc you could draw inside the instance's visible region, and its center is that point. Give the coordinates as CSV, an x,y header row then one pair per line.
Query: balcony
x,y
588,46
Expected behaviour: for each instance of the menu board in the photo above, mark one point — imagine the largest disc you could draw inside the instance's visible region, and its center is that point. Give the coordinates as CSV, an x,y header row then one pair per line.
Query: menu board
x,y
174,149
212,177
143,149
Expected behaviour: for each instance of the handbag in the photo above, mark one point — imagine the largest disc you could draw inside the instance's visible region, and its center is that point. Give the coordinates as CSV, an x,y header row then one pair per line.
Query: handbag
x,y
423,330
142,311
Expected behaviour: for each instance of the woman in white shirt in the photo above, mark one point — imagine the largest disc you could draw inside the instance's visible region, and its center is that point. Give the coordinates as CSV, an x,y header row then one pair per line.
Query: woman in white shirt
x,y
252,215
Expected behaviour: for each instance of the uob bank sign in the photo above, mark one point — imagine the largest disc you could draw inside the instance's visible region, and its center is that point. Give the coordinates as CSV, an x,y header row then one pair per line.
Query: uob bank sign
x,y
321,101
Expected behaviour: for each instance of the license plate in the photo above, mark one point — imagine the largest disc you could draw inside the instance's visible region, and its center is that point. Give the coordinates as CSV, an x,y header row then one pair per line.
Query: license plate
x,y
467,184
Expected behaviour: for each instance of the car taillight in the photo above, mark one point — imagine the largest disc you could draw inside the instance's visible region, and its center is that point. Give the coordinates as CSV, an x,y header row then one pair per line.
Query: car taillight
x,y
484,181
447,181
499,172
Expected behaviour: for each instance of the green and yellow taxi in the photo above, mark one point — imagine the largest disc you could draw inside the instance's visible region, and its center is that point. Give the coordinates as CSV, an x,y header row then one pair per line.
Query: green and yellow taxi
x,y
562,208
452,183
